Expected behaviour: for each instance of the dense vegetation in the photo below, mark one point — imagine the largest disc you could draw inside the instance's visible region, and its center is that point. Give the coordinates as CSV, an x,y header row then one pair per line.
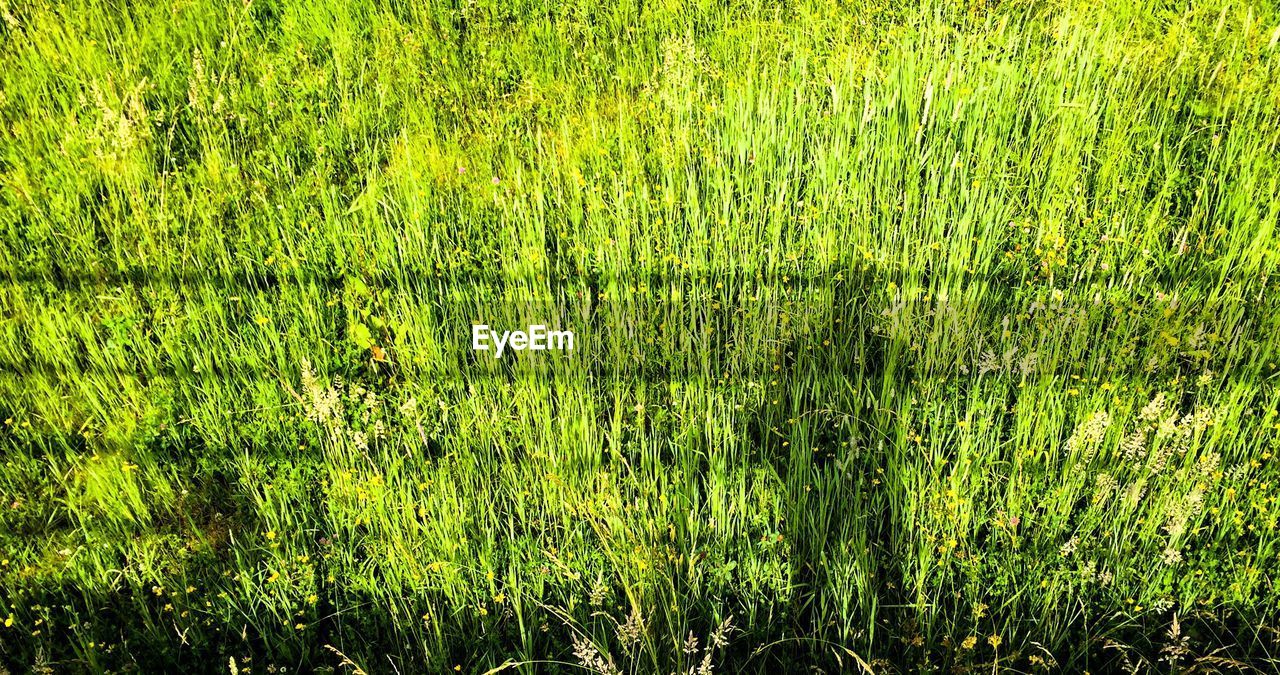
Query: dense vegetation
x,y
910,338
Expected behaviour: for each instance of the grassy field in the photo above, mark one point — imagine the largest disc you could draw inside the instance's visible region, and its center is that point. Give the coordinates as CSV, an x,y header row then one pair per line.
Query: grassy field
x,y
910,337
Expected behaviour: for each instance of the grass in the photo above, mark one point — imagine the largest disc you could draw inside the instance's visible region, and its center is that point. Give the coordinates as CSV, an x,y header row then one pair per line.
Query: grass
x,y
910,338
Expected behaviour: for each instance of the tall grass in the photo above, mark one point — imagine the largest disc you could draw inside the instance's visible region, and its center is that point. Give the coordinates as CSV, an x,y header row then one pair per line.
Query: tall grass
x,y
909,338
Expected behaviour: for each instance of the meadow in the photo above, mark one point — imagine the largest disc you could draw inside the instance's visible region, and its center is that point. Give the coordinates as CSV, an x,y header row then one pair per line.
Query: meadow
x,y
910,337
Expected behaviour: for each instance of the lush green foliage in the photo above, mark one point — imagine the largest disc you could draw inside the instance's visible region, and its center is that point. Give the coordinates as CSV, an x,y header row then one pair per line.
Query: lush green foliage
x,y
911,338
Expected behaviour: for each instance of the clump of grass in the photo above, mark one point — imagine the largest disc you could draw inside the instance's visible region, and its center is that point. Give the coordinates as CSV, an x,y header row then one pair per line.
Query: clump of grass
x,y
912,338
